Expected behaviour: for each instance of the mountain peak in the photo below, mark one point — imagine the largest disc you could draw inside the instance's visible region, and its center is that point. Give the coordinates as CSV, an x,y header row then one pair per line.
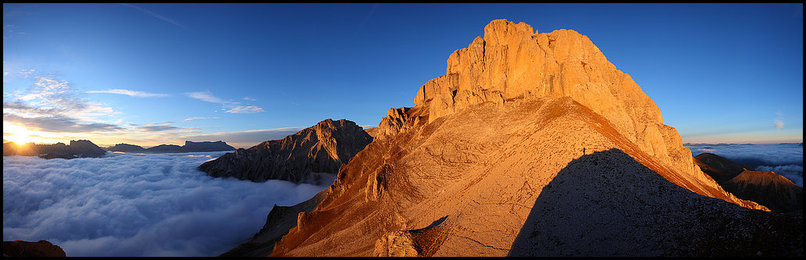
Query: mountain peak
x,y
513,62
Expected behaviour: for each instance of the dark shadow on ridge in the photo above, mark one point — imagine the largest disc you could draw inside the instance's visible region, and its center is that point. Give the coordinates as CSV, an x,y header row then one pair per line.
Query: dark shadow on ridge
x,y
608,204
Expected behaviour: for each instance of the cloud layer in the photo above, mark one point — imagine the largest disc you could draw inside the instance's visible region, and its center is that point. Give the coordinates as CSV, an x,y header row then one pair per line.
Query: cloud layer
x,y
128,93
783,159
136,205
231,106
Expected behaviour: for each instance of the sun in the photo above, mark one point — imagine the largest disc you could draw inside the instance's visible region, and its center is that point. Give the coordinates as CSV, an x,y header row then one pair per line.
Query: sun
x,y
17,134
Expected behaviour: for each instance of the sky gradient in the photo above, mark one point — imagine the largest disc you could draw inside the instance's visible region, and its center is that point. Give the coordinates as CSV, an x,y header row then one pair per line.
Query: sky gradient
x,y
149,74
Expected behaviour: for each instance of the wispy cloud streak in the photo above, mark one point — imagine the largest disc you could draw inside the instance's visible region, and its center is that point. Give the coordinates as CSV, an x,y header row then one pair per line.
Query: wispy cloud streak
x,y
155,15
128,93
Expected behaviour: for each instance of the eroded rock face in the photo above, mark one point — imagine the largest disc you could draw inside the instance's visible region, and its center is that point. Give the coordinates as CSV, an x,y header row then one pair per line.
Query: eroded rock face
x,y
487,167
485,143
514,62
41,248
322,148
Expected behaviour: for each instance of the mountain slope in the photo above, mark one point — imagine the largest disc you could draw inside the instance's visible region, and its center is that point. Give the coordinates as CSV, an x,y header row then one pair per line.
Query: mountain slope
x,y
460,173
322,148
766,188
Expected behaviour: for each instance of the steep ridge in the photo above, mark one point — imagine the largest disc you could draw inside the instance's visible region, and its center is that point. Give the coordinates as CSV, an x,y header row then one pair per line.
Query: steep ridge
x,y
322,148
483,142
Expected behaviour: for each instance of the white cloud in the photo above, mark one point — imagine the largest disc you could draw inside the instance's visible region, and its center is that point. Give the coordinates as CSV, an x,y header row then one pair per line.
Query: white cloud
x,y
207,97
51,103
245,109
229,106
136,205
198,118
249,99
779,124
128,93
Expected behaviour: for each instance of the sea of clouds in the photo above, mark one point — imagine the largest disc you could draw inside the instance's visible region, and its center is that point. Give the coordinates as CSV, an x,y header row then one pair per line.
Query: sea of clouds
x,y
136,204
783,159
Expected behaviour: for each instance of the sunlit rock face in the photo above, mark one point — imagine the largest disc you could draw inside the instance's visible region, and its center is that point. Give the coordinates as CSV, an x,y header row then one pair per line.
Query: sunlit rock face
x,y
322,148
514,62
517,115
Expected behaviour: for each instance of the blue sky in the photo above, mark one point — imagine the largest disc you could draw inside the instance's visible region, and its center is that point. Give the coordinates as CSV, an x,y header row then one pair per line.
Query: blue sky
x,y
243,73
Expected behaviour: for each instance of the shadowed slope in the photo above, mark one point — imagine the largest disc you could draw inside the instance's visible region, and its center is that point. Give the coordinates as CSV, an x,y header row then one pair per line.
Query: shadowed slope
x,y
608,204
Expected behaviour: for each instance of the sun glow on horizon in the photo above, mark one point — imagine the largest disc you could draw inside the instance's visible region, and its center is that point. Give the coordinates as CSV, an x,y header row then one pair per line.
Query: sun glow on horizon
x,y
21,135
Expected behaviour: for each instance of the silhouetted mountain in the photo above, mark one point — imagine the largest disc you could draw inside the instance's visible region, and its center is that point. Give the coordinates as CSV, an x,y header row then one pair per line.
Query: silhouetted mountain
x,y
42,248
126,148
76,149
171,148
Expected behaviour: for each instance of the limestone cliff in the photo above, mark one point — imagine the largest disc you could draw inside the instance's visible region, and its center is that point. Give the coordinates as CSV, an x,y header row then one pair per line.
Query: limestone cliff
x,y
322,148
531,144
514,62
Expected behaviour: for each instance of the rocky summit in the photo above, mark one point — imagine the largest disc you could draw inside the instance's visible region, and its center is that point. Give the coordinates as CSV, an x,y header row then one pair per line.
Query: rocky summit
x,y
532,144
322,148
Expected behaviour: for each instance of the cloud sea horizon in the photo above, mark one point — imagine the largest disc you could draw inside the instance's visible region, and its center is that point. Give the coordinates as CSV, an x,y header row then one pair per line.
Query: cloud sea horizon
x,y
131,204
136,204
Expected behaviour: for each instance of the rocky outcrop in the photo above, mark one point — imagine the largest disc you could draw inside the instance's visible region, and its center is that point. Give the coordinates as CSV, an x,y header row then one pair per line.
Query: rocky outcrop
x,y
42,248
76,149
322,148
774,191
525,125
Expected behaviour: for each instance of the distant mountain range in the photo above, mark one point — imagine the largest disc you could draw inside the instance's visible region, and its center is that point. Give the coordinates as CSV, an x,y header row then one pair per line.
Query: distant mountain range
x,y
76,149
86,148
172,148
